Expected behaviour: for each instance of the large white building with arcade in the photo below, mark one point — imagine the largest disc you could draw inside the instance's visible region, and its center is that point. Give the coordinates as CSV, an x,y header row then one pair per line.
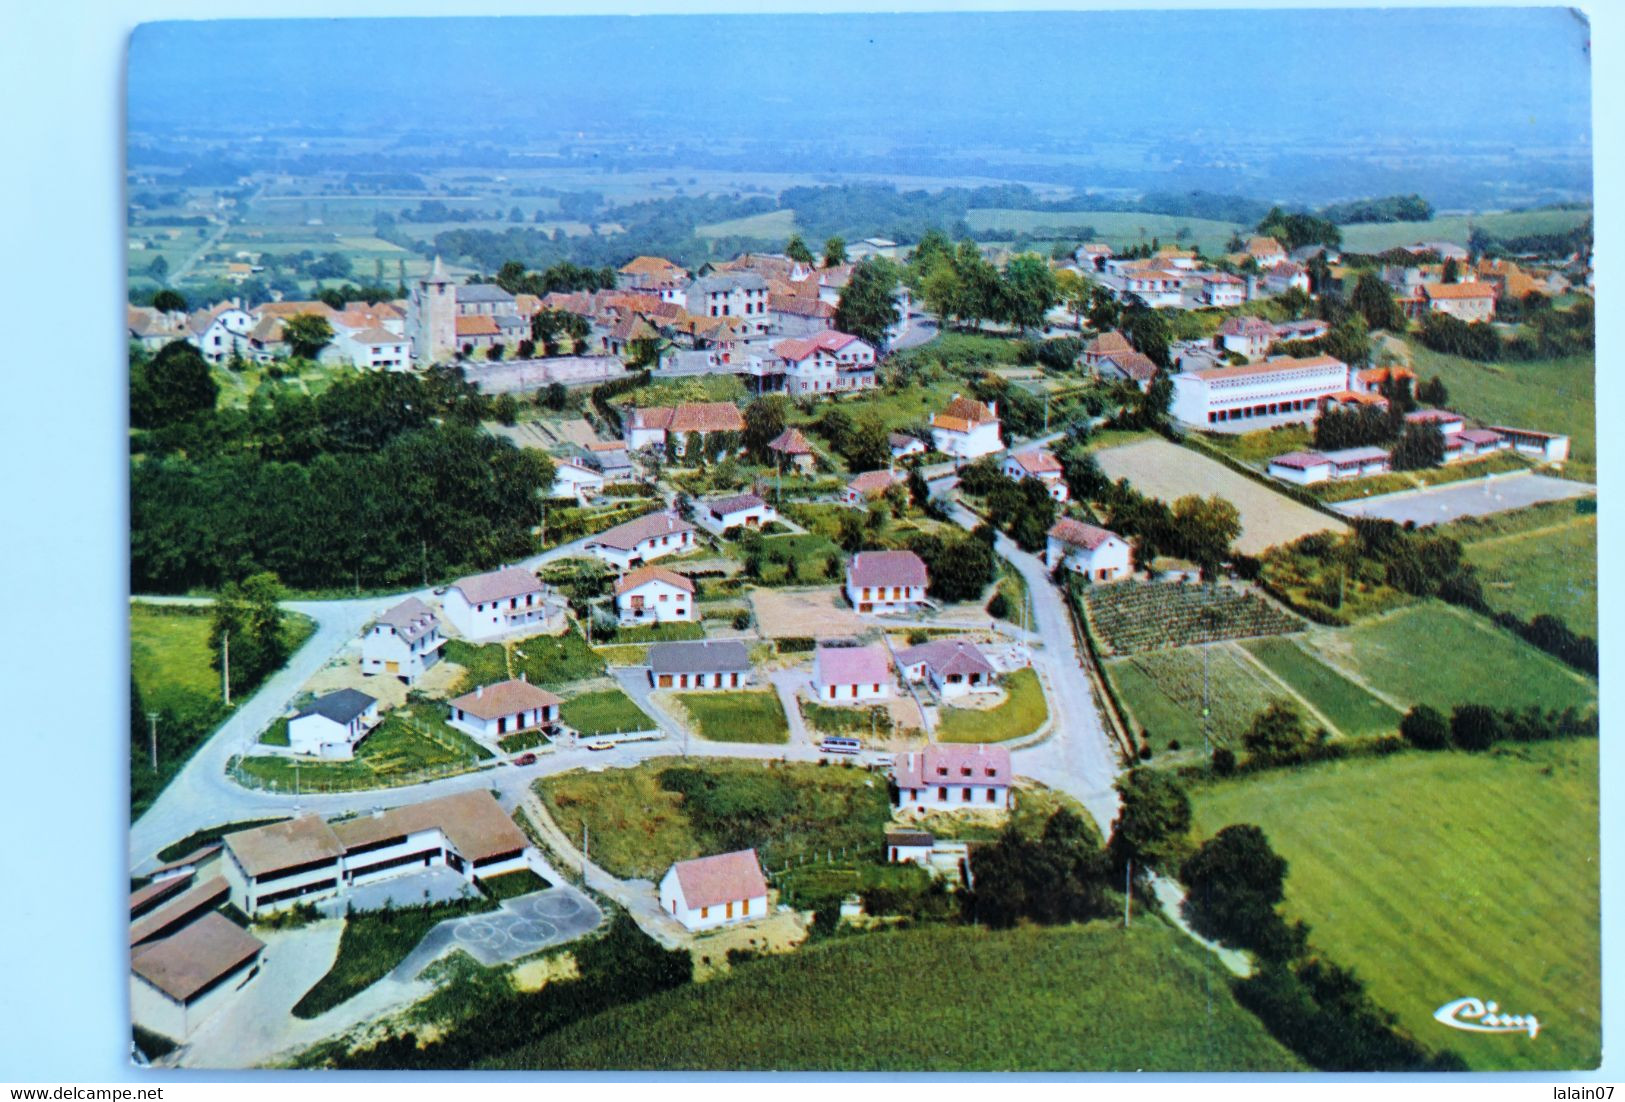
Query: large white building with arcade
x,y
1258,395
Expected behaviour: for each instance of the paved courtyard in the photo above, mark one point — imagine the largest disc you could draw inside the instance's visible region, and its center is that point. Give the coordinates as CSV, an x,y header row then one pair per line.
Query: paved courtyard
x,y
435,884
519,927
1477,498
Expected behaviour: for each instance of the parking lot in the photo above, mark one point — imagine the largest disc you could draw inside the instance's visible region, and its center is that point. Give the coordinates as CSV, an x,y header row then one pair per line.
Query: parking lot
x,y
1480,497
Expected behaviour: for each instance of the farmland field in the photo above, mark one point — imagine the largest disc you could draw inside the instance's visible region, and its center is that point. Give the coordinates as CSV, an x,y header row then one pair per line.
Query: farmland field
x,y
1539,560
671,809
1071,998
1130,617
1374,237
1161,469
1553,395
1438,876
1442,656
1118,229
773,225
1163,691
1349,708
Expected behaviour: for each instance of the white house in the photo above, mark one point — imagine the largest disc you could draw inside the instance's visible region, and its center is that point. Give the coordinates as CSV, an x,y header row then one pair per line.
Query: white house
x,y
967,429
178,982
883,582
718,515
654,595
304,859
576,480
374,349
699,664
1156,287
713,891
403,642
488,605
950,776
1097,553
1285,276
222,331
851,675
1444,420
830,361
1038,463
331,725
904,846
1301,468
1223,289
1550,446
1247,336
1275,391
903,445
952,667
1469,302
642,540
740,295
491,712
868,485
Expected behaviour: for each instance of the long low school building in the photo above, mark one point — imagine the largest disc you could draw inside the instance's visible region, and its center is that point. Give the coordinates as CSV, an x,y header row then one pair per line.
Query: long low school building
x,y
1278,390
307,858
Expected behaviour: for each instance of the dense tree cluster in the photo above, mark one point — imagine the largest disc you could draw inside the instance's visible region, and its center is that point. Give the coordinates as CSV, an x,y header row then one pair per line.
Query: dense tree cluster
x,y
961,566
1297,229
960,286
1060,876
867,306
1391,208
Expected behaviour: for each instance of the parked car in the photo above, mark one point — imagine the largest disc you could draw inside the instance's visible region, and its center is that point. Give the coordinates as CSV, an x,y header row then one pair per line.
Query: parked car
x,y
600,746
525,759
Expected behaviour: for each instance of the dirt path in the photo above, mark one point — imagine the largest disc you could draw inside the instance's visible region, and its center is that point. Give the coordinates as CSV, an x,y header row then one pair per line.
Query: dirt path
x,y
1247,658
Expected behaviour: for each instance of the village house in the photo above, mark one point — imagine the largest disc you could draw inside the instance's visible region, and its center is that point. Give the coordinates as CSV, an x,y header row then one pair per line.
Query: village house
x,y
1130,366
952,667
1286,276
1223,289
1308,468
1471,443
1265,250
1444,420
576,480
476,333
152,329
1276,391
484,300
652,425
1096,553
1092,255
790,448
949,776
869,485
883,582
1550,446
1108,344
903,445
718,515
851,675
829,362
909,847
492,712
304,859
654,275
801,315
1469,302
642,540
373,349
1156,287
403,642
713,891
967,429
485,606
330,726
741,295
1247,336
1038,463
699,664
179,981
611,460
654,595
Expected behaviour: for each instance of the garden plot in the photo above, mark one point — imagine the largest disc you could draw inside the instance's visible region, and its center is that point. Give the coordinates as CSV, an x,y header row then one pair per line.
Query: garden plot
x,y
1164,692
805,613
1132,617
1161,469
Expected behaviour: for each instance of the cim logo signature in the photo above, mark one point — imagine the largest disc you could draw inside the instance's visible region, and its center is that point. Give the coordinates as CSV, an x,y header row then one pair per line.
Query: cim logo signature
x,y
1477,1016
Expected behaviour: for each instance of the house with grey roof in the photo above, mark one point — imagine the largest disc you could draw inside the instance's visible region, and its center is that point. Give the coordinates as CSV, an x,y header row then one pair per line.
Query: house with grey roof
x,y
403,642
486,299
952,667
739,295
330,726
719,514
485,606
699,664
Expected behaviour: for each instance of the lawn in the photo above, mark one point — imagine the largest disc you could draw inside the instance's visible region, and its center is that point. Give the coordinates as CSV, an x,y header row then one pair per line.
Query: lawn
x,y
660,633
1376,237
604,711
169,666
1351,710
1073,998
640,820
545,659
1443,656
629,655
513,884
1439,876
373,943
1022,712
407,745
875,719
736,717
1259,447
1539,560
1119,229
1551,395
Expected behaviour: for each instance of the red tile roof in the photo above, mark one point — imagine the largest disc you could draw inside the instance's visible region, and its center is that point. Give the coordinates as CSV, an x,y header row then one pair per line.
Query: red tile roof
x,y
853,665
722,878
1079,534
504,699
948,763
893,568
626,537
643,575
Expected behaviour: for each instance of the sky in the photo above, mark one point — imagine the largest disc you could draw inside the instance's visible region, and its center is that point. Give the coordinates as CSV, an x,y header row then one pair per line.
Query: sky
x,y
1510,75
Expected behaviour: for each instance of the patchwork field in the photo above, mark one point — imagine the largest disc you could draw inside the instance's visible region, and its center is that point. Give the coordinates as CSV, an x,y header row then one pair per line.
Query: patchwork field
x,y
1349,708
1119,229
1073,998
1442,656
1540,560
1162,469
1374,237
1447,875
1130,617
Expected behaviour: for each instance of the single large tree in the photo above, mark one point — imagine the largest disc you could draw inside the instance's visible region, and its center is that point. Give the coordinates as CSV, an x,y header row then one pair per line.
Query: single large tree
x,y
1375,302
1152,821
1235,882
1029,291
764,421
1204,528
834,252
1279,733
796,249
247,631
171,386
307,335
868,304
169,302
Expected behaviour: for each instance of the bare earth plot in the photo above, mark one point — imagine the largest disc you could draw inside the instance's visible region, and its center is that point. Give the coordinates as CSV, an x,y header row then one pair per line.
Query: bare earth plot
x,y
1443,504
1162,469
792,613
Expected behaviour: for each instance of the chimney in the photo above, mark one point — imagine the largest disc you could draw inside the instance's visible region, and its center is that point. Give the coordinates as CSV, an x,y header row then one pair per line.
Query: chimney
x,y
377,812
993,408
479,691
524,676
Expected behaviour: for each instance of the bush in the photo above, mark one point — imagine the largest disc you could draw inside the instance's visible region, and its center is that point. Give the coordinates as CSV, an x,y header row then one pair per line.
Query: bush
x,y
1224,761
999,606
741,620
1425,729
1475,727
1235,881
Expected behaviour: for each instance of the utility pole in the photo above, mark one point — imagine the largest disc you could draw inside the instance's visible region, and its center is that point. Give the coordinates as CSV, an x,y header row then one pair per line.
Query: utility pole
x,y
225,666
584,857
1128,891
152,738
426,563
